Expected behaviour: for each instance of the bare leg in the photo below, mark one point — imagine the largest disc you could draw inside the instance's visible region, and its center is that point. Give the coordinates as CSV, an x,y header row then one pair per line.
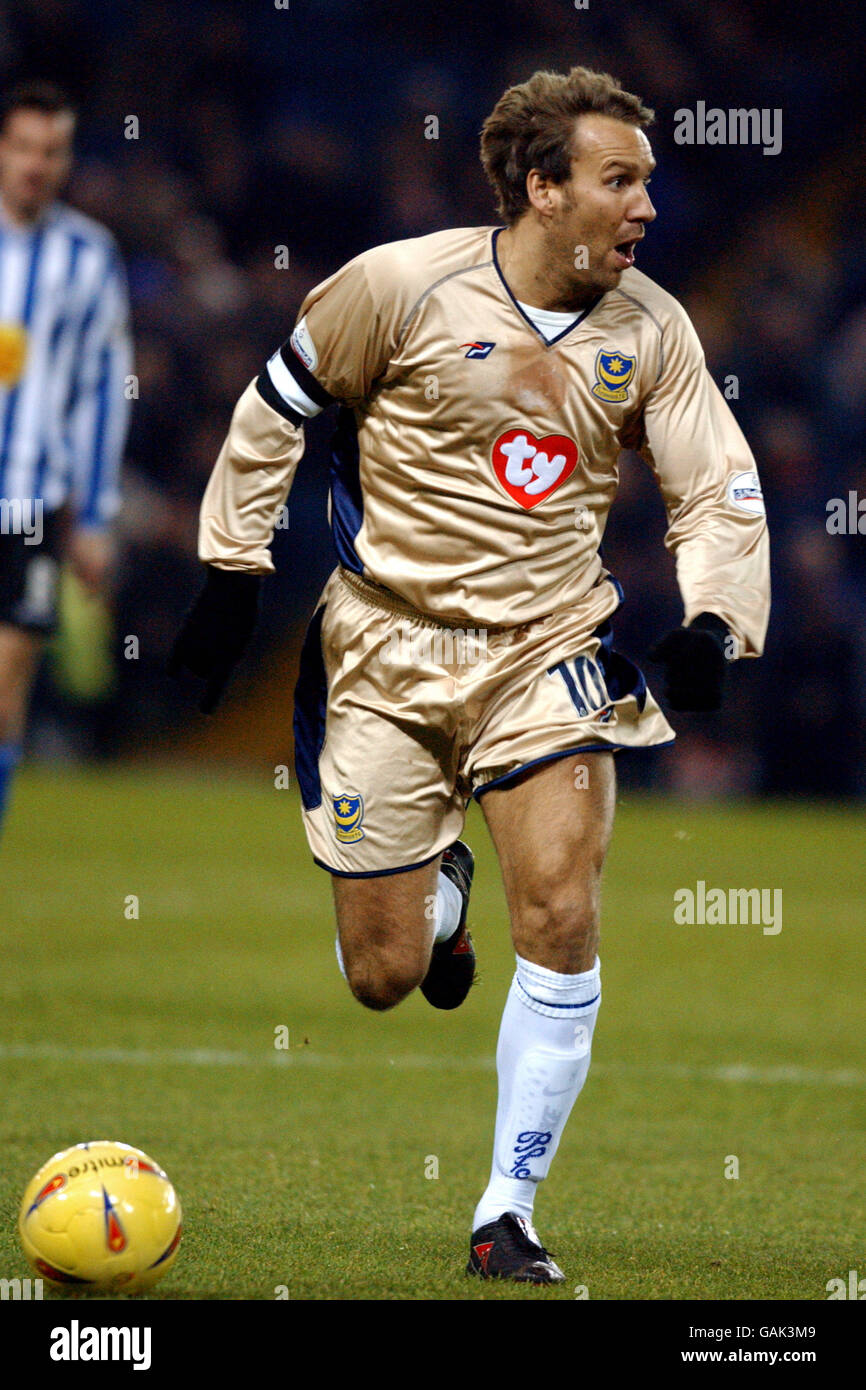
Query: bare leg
x,y
19,657
385,926
551,834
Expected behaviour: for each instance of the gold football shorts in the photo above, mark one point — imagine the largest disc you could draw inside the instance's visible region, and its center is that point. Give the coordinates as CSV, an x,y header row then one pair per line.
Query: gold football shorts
x,y
400,720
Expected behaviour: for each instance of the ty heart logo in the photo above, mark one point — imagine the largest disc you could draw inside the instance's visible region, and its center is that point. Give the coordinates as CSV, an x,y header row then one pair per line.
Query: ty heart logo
x,y
531,469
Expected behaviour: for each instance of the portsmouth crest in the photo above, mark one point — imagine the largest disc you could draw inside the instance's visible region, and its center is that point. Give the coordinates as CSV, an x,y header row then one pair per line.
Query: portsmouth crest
x,y
348,815
613,375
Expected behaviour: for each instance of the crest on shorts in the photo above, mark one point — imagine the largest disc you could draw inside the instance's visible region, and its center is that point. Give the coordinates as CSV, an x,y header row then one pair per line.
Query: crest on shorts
x,y
613,374
348,815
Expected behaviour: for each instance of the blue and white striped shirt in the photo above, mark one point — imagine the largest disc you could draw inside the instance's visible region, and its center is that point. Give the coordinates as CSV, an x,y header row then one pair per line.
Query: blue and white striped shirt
x,y
65,354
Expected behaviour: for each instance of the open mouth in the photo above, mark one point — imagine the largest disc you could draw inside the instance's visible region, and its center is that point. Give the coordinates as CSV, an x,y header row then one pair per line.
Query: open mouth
x,y
624,252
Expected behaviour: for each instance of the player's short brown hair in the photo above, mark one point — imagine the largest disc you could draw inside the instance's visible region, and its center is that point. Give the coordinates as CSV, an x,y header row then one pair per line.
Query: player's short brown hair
x,y
46,97
532,127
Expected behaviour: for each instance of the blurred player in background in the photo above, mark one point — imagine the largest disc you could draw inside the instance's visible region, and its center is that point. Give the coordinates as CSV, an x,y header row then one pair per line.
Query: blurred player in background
x,y
65,351
488,379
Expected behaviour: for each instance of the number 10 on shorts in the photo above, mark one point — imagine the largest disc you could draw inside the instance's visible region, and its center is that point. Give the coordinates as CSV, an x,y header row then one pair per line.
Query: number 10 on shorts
x,y
584,682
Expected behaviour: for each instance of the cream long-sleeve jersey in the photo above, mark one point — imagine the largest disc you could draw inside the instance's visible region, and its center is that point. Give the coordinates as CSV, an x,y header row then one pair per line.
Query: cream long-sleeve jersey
x,y
475,461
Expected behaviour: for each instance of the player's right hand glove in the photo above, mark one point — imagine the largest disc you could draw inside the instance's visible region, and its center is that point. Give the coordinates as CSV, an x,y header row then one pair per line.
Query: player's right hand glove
x,y
694,661
217,630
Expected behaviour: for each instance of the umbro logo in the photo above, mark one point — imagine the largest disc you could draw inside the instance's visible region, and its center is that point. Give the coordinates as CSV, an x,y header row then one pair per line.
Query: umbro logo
x,y
478,349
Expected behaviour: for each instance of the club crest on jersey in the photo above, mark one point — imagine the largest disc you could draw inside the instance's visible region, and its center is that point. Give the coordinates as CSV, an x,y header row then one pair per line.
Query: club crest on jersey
x,y
478,349
531,468
613,374
348,815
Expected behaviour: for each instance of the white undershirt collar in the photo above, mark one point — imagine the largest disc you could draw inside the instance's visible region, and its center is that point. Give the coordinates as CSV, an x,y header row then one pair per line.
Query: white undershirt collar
x,y
549,322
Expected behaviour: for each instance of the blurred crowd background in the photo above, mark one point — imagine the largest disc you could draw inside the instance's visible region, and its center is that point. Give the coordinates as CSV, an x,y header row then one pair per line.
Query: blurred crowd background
x,y
303,126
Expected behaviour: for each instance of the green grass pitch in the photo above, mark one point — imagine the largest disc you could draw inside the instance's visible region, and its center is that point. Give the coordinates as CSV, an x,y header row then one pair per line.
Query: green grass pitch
x,y
307,1167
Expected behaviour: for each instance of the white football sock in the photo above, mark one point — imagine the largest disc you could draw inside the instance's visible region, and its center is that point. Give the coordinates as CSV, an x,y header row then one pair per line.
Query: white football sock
x,y
449,905
340,962
542,1060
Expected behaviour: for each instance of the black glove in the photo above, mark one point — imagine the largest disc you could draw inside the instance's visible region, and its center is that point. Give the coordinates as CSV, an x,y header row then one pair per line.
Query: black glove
x,y
216,631
694,661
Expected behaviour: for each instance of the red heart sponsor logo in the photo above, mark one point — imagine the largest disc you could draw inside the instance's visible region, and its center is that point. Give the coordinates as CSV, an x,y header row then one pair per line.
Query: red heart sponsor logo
x,y
530,469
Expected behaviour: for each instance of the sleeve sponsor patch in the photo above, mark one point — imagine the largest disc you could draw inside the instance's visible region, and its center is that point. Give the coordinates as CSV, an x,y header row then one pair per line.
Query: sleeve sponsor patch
x,y
744,492
304,345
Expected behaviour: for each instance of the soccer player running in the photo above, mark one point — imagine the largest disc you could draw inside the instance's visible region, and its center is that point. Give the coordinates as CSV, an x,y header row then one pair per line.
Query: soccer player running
x,y
64,355
487,379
